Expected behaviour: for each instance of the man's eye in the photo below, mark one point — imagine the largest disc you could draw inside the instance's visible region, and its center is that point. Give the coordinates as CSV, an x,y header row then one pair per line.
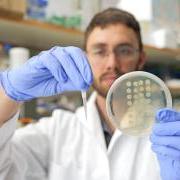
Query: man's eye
x,y
99,52
125,51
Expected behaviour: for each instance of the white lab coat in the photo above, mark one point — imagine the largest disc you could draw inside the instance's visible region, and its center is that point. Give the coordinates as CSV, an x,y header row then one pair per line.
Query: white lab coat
x,y
67,147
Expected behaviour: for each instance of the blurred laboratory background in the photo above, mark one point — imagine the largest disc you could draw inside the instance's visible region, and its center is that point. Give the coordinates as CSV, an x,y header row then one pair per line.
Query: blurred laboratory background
x,y
30,26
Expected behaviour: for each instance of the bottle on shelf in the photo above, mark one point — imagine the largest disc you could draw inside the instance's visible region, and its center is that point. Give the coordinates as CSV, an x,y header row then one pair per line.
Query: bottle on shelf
x,y
36,9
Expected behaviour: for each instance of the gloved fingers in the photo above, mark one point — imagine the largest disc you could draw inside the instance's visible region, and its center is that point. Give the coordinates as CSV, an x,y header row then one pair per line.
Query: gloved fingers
x,y
169,167
167,115
166,151
68,86
70,68
81,62
52,87
53,65
167,129
170,141
48,87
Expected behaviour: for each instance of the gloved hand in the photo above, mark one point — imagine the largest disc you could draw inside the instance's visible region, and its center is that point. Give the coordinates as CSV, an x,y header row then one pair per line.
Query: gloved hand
x,y
165,140
49,73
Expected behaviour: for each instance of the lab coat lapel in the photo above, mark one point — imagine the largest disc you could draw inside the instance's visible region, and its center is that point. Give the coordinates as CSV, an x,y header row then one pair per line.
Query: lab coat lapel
x,y
94,133
93,123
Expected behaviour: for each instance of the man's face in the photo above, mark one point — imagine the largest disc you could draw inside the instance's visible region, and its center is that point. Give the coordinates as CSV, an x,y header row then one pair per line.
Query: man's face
x,y
112,52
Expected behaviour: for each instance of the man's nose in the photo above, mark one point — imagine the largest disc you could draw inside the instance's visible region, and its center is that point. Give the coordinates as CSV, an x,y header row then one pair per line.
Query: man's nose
x,y
111,60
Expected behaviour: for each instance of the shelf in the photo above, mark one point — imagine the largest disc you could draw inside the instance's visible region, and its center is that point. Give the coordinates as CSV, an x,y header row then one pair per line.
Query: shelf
x,y
174,86
163,56
36,34
40,35
175,91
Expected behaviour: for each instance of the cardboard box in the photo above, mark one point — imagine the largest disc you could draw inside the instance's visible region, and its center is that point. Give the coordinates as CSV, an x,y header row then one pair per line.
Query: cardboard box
x,y
13,8
17,6
3,3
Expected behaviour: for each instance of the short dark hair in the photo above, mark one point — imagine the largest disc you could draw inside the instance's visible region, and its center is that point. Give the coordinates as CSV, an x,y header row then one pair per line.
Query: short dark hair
x,y
113,16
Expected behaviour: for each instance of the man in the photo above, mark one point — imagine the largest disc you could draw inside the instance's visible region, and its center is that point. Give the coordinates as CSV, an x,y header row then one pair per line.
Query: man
x,y
65,146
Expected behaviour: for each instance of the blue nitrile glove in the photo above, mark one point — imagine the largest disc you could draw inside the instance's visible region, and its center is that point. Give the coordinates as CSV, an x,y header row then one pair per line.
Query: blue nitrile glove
x,y
49,73
166,143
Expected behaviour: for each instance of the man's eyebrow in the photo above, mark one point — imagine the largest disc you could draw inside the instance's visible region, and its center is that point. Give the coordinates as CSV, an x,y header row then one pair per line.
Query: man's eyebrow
x,y
104,45
124,44
99,45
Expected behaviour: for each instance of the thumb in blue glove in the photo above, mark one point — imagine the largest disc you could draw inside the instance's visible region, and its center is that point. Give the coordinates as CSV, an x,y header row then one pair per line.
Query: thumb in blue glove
x,y
49,73
165,140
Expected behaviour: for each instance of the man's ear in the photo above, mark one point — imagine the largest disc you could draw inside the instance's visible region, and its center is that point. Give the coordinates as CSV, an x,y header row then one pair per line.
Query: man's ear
x,y
142,60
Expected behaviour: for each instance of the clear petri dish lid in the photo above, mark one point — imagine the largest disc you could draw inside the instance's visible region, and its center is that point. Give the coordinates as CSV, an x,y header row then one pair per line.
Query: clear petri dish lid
x,y
133,99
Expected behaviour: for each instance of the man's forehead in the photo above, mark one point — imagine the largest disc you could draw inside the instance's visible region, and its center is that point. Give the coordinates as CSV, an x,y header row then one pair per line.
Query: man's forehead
x,y
112,35
111,27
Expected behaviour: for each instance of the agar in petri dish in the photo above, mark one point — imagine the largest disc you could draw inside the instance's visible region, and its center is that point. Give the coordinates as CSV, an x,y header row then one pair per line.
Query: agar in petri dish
x,y
133,99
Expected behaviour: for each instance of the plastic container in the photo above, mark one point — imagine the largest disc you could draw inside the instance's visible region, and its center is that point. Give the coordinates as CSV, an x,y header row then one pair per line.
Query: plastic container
x,y
18,56
36,9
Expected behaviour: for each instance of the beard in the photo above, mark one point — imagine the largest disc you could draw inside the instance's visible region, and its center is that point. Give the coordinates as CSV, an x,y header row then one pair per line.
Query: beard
x,y
101,87
100,90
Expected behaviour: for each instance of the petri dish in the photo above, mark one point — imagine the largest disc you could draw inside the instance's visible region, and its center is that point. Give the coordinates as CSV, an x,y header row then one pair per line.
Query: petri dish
x,y
133,99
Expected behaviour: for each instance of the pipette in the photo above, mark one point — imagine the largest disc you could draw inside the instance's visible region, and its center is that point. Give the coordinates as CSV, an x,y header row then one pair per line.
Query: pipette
x,y
84,98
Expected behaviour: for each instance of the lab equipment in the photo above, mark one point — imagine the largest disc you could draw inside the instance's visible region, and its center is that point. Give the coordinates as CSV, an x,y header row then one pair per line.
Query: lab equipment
x,y
84,98
133,100
18,56
36,9
165,140
49,73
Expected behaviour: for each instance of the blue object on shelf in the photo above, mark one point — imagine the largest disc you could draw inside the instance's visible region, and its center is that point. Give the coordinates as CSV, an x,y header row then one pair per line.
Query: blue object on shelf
x,y
36,9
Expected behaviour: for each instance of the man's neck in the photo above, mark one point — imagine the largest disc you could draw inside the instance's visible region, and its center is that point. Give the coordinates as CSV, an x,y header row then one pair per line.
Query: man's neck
x,y
101,105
